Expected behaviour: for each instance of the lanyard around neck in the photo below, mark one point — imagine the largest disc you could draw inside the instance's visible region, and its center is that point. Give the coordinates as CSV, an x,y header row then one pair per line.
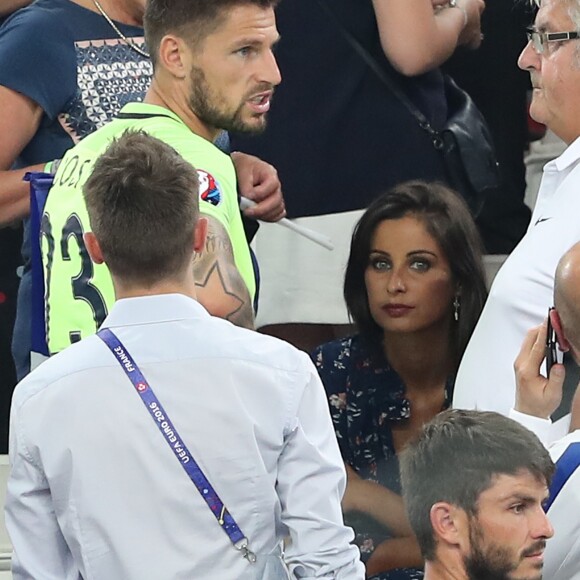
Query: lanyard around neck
x,y
178,447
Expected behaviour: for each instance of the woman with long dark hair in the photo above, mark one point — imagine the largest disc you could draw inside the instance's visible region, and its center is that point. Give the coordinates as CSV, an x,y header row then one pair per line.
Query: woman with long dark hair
x,y
414,287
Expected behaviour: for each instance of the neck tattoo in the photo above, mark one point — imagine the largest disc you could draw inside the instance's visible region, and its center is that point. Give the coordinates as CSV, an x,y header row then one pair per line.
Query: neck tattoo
x,y
128,41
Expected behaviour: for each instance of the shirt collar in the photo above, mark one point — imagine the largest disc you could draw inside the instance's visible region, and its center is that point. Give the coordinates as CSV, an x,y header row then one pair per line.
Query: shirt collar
x,y
148,109
152,309
569,157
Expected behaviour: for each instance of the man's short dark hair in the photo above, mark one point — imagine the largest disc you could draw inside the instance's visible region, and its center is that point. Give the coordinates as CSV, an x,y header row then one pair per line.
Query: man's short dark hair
x,y
456,458
191,20
142,198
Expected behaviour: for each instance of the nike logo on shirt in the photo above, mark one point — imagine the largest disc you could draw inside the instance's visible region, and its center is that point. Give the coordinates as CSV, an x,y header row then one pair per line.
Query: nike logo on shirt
x,y
540,220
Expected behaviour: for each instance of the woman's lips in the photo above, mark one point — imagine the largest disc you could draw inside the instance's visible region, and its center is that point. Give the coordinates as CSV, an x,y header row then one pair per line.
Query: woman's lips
x,y
397,310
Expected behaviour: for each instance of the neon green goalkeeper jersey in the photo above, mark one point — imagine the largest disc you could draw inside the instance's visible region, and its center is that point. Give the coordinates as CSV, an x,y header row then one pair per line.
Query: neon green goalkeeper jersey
x,y
78,293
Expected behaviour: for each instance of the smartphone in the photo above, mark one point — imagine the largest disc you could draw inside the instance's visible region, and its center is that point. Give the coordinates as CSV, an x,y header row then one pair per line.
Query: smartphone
x,y
551,343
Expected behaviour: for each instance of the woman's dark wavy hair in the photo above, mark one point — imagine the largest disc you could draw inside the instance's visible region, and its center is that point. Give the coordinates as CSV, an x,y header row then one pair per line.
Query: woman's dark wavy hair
x,y
448,220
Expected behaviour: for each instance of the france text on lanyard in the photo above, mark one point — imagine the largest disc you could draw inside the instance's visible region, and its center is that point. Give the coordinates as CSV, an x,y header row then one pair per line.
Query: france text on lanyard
x,y
181,452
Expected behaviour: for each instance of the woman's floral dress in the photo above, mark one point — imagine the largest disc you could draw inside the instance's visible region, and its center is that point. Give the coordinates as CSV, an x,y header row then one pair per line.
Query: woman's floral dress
x,y
366,396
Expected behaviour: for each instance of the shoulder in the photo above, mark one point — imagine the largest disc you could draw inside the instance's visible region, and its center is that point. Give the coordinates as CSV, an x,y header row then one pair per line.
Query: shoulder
x,y
37,13
37,56
337,353
334,362
251,347
75,167
218,196
563,445
87,150
38,24
77,359
217,176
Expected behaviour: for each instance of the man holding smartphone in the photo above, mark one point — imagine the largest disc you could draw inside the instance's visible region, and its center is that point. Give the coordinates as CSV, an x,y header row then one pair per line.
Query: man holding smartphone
x,y
537,397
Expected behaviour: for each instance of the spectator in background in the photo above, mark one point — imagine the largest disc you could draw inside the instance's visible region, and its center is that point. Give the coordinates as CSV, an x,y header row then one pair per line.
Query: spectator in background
x,y
522,291
536,400
339,137
94,491
414,287
10,261
474,484
42,113
500,90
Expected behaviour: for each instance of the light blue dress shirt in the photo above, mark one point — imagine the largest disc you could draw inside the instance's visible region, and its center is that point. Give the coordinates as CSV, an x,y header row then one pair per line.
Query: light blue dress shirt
x,y
95,492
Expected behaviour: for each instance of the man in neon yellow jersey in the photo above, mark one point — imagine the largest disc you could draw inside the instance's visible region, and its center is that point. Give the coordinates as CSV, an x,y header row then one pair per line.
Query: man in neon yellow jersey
x,y
213,69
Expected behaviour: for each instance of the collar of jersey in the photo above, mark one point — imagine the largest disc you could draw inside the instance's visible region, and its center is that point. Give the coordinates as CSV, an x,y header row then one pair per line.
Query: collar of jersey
x,y
148,109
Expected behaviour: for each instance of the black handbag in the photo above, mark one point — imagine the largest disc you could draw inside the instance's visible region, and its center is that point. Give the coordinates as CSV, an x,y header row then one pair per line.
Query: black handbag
x,y
465,142
467,148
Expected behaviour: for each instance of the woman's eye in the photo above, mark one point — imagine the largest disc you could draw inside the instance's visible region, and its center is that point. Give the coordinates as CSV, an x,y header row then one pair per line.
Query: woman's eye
x,y
380,264
420,265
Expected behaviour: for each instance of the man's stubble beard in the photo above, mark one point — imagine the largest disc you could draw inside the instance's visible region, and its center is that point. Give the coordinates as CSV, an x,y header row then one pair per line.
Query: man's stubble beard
x,y
206,106
495,562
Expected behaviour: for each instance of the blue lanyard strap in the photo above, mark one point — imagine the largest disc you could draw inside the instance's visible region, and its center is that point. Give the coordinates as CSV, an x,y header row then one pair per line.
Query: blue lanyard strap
x,y
180,450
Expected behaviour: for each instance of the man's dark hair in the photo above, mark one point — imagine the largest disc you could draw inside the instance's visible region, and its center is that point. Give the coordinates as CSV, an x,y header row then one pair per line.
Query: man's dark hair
x,y
448,221
456,458
192,20
142,198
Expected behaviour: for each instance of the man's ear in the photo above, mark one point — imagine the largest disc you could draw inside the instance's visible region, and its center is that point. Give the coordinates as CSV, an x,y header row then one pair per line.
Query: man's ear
x,y
450,525
174,55
93,248
557,326
200,234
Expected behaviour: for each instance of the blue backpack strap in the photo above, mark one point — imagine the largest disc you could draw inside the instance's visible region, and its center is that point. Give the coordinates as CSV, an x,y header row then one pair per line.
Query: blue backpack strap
x,y
40,184
566,465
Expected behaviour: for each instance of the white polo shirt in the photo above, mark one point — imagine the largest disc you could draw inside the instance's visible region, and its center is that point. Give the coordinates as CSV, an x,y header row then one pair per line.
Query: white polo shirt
x,y
522,292
96,493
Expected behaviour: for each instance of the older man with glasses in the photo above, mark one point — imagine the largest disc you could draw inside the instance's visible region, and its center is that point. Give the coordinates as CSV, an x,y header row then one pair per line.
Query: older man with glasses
x,y
522,290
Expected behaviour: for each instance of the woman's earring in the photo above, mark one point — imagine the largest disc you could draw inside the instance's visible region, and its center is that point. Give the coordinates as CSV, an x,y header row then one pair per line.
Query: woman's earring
x,y
456,307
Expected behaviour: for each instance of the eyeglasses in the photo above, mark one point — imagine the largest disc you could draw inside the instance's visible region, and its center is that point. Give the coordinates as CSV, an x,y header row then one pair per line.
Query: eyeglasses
x,y
540,40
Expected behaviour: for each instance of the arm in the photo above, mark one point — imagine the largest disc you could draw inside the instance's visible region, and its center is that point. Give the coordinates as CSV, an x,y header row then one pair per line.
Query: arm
x,y
9,6
19,120
378,502
219,285
310,486
40,550
416,38
258,181
368,497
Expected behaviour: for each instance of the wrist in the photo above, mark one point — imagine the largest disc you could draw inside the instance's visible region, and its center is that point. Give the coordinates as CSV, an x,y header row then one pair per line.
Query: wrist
x,y
456,4
536,409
